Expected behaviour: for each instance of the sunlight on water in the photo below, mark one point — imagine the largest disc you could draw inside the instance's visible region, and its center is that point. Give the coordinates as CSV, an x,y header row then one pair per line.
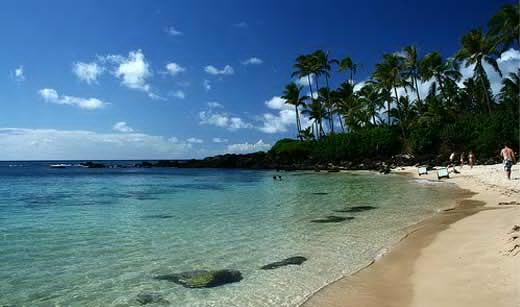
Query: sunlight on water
x,y
81,237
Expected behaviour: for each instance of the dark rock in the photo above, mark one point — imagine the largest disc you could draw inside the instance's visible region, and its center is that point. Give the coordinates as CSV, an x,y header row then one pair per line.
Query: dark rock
x,y
91,164
203,279
356,209
158,216
320,193
150,298
510,203
333,219
298,260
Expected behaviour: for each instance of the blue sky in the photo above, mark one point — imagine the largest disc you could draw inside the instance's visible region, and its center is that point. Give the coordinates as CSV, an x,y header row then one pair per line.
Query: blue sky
x,y
183,79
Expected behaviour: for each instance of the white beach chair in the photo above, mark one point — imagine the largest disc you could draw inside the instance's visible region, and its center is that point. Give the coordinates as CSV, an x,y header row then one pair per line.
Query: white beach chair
x,y
443,173
422,171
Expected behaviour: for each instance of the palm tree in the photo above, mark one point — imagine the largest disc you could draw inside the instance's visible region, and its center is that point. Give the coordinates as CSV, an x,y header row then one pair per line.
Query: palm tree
x,y
476,49
411,68
433,67
504,27
323,67
388,74
346,64
372,99
292,96
316,112
510,93
303,68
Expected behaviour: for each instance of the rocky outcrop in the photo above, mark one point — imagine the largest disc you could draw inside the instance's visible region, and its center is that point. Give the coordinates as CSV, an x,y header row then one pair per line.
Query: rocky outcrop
x,y
203,279
298,260
91,164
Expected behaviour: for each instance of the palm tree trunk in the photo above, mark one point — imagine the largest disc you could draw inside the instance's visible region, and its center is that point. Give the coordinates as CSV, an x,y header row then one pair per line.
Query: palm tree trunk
x,y
298,125
310,86
341,123
417,90
331,119
481,76
399,112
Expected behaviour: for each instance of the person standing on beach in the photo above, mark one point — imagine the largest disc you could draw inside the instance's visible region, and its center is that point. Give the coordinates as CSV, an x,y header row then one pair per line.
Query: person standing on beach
x,y
471,158
452,161
462,159
509,158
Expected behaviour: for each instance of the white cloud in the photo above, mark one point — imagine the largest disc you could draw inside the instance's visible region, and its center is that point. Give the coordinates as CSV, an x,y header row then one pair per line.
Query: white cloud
x,y
207,85
222,120
172,31
178,94
19,74
195,141
51,144
174,69
214,104
278,103
304,81
212,70
133,71
247,147
277,123
219,140
122,127
252,61
87,72
52,96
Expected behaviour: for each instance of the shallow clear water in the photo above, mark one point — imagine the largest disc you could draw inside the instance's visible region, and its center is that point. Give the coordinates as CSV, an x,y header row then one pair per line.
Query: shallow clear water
x,y
97,237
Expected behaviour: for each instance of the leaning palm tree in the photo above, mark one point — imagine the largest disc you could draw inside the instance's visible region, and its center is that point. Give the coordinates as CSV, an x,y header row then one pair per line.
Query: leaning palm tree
x,y
477,48
411,69
292,96
504,27
388,74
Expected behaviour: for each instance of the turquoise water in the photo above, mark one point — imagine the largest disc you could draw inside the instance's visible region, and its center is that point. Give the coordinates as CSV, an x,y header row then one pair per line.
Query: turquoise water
x,y
85,237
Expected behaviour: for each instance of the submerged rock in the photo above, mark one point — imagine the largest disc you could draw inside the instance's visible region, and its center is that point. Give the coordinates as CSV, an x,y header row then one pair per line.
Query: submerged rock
x,y
298,260
356,209
158,216
144,298
320,193
510,203
333,219
203,279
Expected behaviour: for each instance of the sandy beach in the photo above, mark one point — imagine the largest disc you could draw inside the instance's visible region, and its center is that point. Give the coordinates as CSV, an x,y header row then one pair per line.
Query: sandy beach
x,y
465,256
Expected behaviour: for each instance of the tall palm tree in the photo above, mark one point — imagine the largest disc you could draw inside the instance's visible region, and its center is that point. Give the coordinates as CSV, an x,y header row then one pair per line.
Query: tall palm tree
x,y
323,67
504,27
388,74
476,49
347,65
304,69
411,69
292,96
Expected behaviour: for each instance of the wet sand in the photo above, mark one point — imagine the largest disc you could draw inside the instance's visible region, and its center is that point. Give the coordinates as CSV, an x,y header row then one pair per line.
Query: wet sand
x,y
464,256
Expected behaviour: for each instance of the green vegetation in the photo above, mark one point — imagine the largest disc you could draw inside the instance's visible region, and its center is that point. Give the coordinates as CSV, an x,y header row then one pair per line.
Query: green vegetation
x,y
387,115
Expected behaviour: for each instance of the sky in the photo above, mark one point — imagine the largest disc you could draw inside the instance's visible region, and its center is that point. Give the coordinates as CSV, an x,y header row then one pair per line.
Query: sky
x,y
189,79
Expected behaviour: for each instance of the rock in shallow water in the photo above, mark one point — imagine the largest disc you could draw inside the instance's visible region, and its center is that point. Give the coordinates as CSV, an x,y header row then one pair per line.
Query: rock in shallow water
x,y
203,279
356,209
333,219
298,260
150,298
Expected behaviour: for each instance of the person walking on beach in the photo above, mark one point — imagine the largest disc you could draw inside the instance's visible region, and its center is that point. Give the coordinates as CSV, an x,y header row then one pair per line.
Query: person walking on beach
x,y
462,159
452,162
471,158
509,158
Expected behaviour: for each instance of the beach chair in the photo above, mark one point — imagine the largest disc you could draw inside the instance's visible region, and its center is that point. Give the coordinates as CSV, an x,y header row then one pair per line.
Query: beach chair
x,y
422,171
443,173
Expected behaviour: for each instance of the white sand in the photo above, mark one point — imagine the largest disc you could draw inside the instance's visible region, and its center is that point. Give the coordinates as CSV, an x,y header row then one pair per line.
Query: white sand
x,y
449,261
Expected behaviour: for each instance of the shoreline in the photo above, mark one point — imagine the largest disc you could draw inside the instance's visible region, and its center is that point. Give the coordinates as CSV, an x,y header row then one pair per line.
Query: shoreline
x,y
405,273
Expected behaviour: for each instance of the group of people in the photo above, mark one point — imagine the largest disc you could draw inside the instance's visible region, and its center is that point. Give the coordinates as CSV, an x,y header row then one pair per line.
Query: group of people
x,y
471,159
507,154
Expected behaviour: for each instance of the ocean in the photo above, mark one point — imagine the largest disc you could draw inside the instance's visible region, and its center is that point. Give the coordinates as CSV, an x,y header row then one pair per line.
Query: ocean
x,y
98,237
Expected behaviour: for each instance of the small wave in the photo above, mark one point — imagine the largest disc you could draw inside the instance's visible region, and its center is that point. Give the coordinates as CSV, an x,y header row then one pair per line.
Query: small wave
x,y
426,181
